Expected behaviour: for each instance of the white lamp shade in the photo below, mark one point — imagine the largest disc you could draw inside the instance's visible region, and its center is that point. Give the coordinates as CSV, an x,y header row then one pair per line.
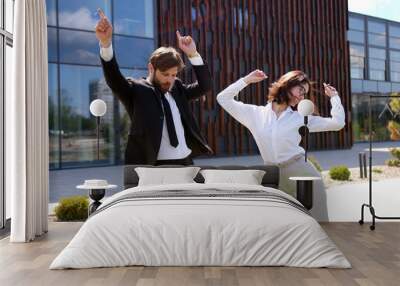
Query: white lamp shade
x,y
98,107
305,107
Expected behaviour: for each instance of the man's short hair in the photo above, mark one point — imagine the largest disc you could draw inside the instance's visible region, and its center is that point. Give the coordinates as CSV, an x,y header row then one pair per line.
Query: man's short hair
x,y
165,58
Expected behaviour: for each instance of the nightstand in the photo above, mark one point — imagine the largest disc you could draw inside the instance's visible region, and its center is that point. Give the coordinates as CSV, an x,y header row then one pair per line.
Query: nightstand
x,y
97,190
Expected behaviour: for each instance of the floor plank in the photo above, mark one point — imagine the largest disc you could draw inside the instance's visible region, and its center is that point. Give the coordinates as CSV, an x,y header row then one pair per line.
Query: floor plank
x,y
374,255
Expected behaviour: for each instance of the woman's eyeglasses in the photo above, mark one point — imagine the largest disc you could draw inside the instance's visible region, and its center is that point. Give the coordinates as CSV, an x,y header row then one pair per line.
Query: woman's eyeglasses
x,y
303,91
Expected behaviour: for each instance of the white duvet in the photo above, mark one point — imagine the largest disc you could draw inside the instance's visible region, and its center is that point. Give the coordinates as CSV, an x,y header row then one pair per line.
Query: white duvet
x,y
200,231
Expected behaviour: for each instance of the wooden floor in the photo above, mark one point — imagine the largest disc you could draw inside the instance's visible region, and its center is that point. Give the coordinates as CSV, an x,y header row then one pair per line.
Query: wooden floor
x,y
374,255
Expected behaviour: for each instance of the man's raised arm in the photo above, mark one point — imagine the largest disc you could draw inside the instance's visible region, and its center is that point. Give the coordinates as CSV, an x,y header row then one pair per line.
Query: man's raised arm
x,y
204,83
115,80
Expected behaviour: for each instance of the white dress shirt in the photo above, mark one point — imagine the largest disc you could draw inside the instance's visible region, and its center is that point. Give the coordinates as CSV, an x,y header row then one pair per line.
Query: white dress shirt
x,y
277,138
167,151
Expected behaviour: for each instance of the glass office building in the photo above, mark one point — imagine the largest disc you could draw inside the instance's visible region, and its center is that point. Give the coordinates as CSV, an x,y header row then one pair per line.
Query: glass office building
x,y
375,70
76,77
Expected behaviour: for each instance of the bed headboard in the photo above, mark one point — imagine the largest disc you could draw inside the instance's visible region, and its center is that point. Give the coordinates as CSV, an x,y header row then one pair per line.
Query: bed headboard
x,y
270,179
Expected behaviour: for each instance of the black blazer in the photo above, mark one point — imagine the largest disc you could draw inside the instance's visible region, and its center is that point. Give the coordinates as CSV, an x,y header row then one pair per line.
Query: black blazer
x,y
143,103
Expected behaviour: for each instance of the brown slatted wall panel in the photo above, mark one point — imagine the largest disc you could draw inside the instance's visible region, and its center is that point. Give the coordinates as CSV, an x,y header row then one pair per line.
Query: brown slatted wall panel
x,y
340,60
344,18
241,56
202,43
223,76
309,35
320,34
250,49
232,63
316,58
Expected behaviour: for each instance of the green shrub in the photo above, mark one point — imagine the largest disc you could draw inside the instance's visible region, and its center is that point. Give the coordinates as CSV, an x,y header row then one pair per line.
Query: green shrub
x,y
395,152
340,173
378,171
393,162
72,208
314,161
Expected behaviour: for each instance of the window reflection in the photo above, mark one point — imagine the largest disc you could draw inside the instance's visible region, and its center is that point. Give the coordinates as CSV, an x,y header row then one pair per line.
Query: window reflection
x,y
76,57
377,40
79,47
357,54
356,23
377,53
356,36
135,20
394,43
54,126
357,50
377,63
380,113
376,27
52,44
81,14
394,31
133,52
51,12
80,85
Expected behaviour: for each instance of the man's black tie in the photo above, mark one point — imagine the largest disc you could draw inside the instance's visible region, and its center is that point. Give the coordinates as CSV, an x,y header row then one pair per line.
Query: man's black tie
x,y
173,139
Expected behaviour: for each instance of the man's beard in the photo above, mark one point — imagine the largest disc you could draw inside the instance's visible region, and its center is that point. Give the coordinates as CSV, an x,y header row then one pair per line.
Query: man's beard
x,y
163,87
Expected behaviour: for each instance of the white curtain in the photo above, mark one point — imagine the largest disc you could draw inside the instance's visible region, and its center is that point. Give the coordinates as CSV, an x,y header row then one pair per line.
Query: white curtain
x,y
27,124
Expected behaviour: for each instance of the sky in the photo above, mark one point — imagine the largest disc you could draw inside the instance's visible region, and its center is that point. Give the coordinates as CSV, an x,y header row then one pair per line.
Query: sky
x,y
386,9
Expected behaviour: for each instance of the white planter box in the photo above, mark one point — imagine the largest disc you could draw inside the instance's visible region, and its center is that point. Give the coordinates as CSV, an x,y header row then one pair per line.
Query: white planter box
x,y
343,202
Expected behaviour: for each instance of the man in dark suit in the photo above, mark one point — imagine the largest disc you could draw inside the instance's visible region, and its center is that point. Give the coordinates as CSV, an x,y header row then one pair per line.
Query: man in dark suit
x,y
163,129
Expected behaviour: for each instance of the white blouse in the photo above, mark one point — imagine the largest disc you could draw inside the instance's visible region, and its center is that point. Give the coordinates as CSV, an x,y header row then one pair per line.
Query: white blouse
x,y
277,138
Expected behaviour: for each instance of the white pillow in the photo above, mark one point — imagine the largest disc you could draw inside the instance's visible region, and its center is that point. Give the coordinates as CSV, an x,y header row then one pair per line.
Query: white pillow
x,y
248,177
164,176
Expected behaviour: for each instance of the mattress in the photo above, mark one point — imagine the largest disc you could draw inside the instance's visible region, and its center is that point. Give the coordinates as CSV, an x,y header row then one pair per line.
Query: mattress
x,y
201,225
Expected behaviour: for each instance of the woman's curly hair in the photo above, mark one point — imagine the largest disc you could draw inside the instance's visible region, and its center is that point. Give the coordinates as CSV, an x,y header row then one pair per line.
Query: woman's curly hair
x,y
280,90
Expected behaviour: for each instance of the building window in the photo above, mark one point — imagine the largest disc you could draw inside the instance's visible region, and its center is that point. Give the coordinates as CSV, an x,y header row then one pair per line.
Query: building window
x,y
376,33
356,37
55,132
76,77
80,85
394,31
134,20
51,12
394,65
77,14
52,50
357,55
377,63
376,27
377,40
375,70
356,30
356,23
124,47
78,47
394,43
394,36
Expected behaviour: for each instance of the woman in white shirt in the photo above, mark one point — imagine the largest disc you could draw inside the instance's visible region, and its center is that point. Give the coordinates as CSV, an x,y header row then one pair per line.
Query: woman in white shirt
x,y
275,126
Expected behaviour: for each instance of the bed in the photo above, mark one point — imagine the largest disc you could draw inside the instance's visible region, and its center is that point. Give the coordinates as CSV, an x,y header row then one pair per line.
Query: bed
x,y
201,224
